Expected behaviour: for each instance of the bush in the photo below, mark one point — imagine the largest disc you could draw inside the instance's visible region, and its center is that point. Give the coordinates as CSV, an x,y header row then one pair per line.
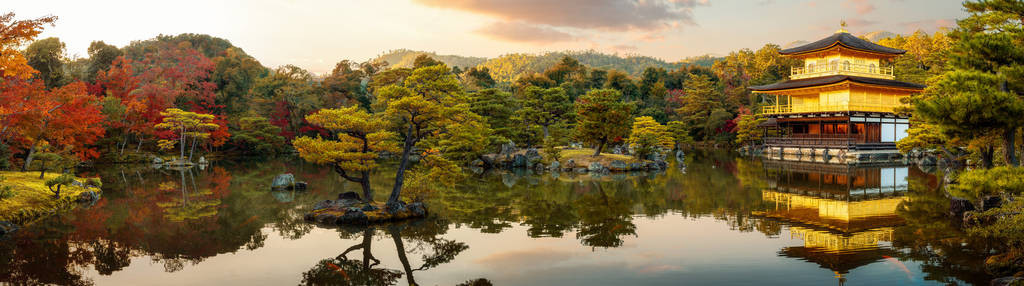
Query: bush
x,y
5,191
980,183
58,182
551,151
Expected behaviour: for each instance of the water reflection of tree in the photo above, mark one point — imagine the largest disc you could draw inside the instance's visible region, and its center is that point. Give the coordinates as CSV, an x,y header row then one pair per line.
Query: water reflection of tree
x,y
128,223
931,237
423,234
604,218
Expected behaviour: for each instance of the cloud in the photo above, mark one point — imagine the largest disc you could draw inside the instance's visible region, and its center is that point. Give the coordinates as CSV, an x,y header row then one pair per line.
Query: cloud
x,y
861,6
604,15
524,33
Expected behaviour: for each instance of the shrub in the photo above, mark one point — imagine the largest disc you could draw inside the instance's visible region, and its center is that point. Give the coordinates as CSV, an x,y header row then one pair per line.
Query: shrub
x,y
58,182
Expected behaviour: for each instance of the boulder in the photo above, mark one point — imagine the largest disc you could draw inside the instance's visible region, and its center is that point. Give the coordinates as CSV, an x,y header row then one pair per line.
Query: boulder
x,y
157,160
596,167
477,163
519,161
1006,281
581,170
508,148
533,156
958,206
928,160
489,160
283,182
570,164
555,166
202,160
618,166
661,164
7,227
636,166
87,197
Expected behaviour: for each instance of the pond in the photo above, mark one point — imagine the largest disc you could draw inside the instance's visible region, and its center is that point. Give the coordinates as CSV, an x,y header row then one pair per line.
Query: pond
x,y
713,219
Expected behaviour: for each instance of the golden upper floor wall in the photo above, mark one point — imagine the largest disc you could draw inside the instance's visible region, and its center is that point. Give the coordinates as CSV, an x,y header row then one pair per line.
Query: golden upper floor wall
x,y
852,98
841,61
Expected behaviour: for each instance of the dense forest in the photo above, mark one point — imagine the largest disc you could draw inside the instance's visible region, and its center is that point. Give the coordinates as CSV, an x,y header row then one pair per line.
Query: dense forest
x,y
122,94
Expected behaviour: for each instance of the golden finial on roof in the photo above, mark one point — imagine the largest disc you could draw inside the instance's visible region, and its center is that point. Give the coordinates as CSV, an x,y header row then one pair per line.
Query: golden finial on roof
x,y
842,27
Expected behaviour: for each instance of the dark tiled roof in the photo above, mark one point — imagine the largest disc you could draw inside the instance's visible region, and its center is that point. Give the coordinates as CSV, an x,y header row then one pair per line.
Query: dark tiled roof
x,y
845,39
826,80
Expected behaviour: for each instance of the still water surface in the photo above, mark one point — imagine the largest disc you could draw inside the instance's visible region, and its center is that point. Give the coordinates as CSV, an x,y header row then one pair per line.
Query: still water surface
x,y
714,219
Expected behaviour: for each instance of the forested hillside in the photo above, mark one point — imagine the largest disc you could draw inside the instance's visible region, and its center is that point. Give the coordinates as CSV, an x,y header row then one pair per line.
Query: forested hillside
x,y
404,58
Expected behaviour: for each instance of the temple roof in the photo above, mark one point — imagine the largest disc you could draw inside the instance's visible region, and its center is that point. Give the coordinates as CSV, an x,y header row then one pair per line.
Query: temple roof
x,y
846,40
826,80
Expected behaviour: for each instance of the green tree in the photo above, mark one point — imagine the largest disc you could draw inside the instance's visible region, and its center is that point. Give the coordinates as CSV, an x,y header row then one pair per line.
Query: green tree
x,y
700,100
680,133
747,130
970,105
47,57
648,137
255,135
101,56
602,117
358,139
991,41
426,104
545,107
235,74
497,108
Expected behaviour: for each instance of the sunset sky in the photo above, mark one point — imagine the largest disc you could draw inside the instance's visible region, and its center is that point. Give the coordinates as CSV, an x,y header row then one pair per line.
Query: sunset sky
x,y
315,34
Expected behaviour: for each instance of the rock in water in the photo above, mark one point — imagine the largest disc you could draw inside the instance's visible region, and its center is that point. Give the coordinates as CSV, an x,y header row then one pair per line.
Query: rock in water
x,y
87,197
202,160
618,166
571,164
283,182
157,160
519,161
555,166
7,227
595,167
533,156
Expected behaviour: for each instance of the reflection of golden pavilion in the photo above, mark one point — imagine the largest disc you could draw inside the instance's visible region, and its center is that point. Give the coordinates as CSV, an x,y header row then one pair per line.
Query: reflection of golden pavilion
x,y
842,213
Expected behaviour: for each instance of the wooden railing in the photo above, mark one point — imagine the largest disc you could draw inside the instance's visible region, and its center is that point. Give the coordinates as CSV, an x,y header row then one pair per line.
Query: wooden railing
x,y
838,141
787,109
841,68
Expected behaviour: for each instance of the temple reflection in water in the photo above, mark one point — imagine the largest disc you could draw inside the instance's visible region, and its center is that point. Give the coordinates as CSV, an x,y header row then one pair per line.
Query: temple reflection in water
x,y
843,214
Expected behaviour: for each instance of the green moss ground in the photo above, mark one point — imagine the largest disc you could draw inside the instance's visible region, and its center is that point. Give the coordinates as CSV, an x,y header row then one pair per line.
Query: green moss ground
x,y
32,200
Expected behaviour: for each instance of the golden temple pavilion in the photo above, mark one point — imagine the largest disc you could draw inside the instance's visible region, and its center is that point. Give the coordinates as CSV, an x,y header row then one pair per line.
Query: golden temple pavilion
x,y
839,105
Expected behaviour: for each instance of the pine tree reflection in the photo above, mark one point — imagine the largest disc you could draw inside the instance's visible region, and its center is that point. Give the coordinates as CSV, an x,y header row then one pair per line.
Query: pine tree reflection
x,y
424,234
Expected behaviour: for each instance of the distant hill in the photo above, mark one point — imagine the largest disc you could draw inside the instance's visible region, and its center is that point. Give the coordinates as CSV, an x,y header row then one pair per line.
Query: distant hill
x,y
507,67
878,35
404,58
795,44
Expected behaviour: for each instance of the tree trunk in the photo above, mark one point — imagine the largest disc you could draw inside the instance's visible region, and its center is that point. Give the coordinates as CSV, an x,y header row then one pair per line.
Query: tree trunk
x,y
139,147
182,144
400,247
42,170
192,149
403,163
600,145
545,128
367,191
28,159
986,156
1009,146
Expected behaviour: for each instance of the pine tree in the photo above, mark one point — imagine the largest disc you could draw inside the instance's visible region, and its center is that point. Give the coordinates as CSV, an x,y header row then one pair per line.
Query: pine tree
x,y
603,117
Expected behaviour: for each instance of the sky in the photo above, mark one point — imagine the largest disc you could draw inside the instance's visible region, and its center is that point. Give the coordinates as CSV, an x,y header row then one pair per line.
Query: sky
x,y
316,34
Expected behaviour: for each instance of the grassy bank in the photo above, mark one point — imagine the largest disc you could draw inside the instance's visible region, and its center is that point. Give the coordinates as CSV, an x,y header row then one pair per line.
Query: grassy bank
x,y
31,199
